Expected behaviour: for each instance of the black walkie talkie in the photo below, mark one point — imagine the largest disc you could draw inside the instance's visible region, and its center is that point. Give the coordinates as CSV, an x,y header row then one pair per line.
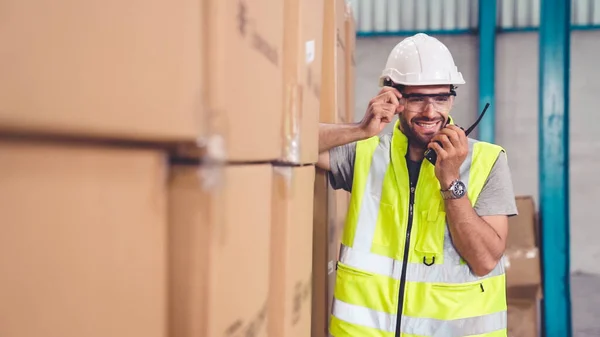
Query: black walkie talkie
x,y
431,155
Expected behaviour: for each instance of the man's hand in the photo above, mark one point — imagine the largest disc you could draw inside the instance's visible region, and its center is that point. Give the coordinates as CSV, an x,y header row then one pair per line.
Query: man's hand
x,y
381,111
449,158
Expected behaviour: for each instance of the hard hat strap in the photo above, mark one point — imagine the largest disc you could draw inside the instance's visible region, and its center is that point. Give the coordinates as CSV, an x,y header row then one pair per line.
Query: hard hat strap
x,y
389,83
446,94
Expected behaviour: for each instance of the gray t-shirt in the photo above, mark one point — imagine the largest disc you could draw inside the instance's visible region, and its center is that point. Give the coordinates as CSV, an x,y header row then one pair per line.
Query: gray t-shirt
x,y
496,198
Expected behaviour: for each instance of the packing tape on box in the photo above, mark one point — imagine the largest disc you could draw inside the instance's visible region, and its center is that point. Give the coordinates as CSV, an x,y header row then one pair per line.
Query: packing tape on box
x,y
351,31
211,146
331,267
292,119
526,253
216,135
349,15
287,172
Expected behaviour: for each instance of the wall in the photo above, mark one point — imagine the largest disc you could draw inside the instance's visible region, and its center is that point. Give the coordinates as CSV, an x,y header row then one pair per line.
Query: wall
x,y
517,117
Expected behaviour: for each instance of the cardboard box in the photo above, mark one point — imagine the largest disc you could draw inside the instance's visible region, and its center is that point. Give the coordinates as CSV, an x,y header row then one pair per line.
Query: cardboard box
x,y
523,231
119,69
350,63
333,86
302,57
522,258
82,241
523,273
291,251
331,207
523,318
325,250
219,231
96,70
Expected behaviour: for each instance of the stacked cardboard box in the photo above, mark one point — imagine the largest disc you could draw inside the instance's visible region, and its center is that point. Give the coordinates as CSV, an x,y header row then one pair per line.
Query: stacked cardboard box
x,y
157,178
343,197
84,216
333,86
350,62
82,244
102,69
105,69
523,276
292,208
219,233
337,90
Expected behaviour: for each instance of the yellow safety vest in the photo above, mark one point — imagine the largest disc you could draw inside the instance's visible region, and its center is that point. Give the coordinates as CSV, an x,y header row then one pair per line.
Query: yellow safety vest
x,y
398,257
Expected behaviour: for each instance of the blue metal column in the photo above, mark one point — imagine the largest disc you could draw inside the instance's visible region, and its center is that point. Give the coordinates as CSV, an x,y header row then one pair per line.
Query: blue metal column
x,y
554,164
487,68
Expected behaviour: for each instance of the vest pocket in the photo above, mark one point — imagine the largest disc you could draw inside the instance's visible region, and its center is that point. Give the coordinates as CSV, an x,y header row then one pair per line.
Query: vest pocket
x,y
351,271
366,289
430,238
460,293
451,301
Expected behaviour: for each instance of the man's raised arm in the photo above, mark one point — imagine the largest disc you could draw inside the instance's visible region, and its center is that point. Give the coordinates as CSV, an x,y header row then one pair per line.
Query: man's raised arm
x,y
380,112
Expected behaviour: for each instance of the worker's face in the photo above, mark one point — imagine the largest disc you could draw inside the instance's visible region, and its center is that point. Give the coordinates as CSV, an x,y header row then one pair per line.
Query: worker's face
x,y
424,116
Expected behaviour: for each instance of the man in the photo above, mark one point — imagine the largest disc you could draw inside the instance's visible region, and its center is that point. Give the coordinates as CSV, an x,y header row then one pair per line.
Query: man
x,y
423,244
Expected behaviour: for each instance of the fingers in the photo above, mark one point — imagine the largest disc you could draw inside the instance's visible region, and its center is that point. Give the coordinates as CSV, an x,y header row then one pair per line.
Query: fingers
x,y
458,138
388,95
445,140
384,111
395,92
459,131
452,136
453,140
441,153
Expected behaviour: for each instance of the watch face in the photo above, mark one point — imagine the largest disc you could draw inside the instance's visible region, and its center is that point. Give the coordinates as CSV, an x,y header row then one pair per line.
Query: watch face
x,y
458,189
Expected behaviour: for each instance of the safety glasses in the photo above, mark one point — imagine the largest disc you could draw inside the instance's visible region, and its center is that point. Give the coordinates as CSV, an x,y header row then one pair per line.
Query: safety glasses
x,y
441,102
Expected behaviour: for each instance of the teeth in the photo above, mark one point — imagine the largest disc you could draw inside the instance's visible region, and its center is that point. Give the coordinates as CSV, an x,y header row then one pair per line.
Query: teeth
x,y
427,125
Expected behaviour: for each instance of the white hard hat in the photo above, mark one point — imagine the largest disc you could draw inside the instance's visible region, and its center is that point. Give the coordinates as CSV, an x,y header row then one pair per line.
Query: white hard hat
x,y
421,60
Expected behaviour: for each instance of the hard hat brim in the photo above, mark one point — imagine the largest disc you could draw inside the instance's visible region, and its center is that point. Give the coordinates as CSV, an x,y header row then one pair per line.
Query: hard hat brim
x,y
418,79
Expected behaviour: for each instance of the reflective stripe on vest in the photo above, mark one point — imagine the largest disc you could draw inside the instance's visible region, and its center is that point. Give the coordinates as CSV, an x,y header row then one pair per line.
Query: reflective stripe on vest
x,y
442,295
477,325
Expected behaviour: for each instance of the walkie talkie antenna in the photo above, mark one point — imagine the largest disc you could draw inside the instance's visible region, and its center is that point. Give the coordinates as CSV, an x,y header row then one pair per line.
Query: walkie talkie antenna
x,y
472,127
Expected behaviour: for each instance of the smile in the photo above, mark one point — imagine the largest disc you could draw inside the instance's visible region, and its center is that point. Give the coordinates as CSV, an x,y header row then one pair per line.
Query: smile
x,y
427,125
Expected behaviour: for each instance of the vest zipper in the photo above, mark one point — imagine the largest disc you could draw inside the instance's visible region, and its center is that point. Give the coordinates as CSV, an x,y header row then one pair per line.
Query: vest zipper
x,y
405,259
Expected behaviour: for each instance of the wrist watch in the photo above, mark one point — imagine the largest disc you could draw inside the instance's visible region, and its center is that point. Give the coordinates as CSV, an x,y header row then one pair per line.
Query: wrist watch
x,y
456,190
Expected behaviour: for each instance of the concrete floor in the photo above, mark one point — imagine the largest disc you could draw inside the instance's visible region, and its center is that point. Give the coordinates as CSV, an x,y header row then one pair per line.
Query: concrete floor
x,y
585,303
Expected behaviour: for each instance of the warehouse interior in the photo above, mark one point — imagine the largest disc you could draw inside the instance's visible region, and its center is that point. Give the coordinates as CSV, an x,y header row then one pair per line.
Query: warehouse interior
x,y
158,159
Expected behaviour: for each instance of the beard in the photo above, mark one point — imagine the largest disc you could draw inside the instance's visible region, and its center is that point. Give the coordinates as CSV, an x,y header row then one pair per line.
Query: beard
x,y
415,138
